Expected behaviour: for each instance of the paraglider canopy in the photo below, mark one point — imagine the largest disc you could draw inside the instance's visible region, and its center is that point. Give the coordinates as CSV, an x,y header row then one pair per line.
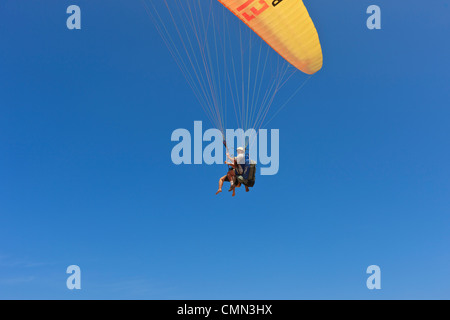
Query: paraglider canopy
x,y
286,26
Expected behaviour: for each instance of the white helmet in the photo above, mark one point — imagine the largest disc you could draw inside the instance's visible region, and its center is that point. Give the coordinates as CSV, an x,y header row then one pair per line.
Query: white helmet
x,y
240,150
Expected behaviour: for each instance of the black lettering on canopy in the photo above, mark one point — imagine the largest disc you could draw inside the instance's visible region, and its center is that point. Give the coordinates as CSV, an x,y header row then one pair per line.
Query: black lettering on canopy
x,y
276,2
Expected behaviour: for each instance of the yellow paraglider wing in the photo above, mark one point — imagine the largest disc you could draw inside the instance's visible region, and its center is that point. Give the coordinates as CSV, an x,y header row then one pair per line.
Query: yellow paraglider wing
x,y
286,26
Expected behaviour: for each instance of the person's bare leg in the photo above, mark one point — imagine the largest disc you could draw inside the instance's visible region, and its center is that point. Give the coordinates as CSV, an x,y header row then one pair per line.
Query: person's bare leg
x,y
231,185
230,176
236,184
221,181
247,189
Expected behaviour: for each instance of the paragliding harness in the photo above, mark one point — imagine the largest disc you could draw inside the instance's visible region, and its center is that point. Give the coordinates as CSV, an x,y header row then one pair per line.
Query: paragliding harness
x,y
247,177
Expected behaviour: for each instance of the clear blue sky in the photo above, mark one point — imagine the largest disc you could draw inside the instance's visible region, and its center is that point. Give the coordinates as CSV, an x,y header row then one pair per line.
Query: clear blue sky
x,y
86,176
